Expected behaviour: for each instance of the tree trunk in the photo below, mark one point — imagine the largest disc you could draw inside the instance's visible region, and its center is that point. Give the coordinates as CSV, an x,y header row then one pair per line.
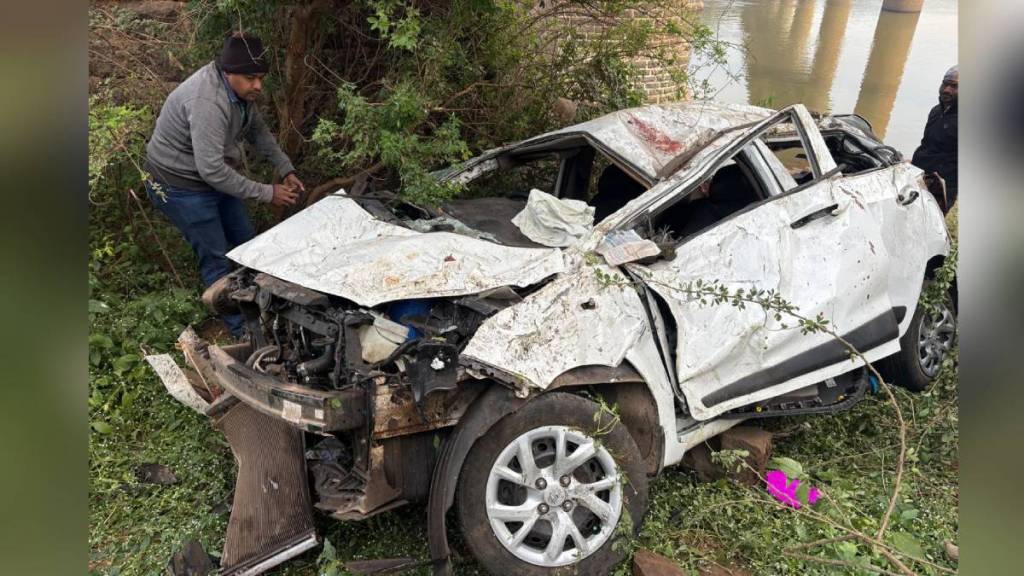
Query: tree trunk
x,y
291,104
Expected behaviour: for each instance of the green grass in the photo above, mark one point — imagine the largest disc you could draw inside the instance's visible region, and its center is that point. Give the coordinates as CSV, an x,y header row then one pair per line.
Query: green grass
x,y
135,527
849,456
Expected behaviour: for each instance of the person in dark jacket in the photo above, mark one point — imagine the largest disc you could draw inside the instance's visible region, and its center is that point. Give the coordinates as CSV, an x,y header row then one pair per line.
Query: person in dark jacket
x,y
194,156
937,152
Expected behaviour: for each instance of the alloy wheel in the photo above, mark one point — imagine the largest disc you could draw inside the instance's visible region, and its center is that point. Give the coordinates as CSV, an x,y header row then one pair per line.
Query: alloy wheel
x,y
553,496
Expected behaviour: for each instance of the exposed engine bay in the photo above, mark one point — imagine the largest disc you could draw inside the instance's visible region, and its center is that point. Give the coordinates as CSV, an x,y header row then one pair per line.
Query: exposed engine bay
x,y
324,342
364,381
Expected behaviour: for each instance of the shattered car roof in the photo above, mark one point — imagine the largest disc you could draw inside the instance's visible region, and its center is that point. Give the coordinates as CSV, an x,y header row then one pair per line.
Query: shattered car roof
x,y
650,137
337,247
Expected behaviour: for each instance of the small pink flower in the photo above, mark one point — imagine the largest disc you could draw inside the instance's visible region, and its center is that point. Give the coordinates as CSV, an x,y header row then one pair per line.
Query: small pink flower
x,y
785,489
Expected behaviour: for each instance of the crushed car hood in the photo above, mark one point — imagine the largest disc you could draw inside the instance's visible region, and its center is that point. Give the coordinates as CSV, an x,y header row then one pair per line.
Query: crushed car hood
x,y
336,247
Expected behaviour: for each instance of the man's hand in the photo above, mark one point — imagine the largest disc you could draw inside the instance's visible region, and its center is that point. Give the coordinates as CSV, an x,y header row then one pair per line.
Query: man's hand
x,y
293,181
284,195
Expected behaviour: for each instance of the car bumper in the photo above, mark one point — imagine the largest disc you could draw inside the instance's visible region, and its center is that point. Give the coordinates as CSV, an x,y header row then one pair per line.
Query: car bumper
x,y
221,370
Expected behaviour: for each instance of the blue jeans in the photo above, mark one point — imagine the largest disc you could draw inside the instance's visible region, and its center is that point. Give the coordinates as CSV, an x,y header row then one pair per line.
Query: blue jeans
x,y
213,223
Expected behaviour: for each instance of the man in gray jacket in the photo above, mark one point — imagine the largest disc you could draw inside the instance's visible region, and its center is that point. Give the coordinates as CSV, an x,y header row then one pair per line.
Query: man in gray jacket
x,y
194,157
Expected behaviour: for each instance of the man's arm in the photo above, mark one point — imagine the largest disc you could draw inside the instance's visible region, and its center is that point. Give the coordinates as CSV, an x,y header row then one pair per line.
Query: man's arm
x,y
259,136
209,126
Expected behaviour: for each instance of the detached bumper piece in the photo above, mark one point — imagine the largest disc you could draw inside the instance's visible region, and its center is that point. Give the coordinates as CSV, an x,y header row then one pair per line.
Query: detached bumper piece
x,y
272,516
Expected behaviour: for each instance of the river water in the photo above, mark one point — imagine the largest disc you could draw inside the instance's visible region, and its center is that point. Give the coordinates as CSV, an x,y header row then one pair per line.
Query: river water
x,y
835,55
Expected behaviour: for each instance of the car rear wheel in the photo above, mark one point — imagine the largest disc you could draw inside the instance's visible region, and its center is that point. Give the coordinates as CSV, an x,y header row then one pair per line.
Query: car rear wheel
x,y
923,348
550,489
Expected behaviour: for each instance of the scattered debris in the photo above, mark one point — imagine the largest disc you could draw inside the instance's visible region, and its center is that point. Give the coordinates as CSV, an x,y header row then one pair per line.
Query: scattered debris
x,y
177,382
553,221
190,560
156,474
647,563
620,247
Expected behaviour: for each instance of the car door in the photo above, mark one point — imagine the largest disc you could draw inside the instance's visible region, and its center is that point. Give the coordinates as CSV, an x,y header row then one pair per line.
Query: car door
x,y
912,228
810,243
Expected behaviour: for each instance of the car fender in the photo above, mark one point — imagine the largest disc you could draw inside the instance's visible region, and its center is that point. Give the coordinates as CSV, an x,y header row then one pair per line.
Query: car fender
x,y
591,316
493,404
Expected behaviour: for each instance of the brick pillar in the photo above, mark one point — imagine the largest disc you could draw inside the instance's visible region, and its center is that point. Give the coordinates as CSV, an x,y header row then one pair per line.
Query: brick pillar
x,y
654,79
657,82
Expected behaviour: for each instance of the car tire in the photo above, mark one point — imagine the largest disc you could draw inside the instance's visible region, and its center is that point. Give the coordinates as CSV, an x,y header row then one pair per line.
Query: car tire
x,y
923,348
487,498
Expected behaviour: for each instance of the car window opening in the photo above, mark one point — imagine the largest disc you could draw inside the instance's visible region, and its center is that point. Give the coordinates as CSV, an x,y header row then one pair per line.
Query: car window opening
x,y
730,189
490,201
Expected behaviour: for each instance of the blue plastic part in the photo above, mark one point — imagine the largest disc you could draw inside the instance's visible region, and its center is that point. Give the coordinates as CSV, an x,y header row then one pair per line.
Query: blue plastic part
x,y
398,311
874,383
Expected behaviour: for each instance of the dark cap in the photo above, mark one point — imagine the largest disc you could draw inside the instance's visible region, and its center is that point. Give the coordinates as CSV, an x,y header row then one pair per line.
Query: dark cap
x,y
243,54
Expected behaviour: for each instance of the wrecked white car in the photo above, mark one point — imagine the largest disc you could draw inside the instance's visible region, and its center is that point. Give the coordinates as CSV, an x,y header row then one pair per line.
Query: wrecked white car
x,y
528,355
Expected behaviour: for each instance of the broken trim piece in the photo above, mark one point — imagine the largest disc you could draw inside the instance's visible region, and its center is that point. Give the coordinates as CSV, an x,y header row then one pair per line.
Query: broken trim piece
x,y
176,383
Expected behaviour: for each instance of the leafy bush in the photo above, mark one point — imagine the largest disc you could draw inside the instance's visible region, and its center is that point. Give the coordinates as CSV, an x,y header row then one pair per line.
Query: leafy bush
x,y
401,88
117,137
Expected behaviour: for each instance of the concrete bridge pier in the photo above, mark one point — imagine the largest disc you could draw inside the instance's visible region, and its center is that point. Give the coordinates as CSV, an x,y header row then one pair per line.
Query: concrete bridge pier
x,y
902,5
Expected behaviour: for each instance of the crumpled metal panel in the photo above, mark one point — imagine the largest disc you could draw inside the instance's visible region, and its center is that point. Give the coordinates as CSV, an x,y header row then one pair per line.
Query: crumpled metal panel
x,y
837,266
176,382
576,320
338,248
912,234
651,136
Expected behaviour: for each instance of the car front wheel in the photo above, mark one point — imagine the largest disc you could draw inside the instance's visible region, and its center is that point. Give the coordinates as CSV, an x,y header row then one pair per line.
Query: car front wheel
x,y
550,489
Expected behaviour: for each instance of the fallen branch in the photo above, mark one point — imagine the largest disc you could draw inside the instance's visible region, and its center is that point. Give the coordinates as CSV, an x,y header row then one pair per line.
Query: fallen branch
x,y
340,182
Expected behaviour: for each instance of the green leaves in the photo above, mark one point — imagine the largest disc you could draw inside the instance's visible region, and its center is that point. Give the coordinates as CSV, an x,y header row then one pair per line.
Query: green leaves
x,y
906,544
790,468
97,344
101,427
396,133
938,290
124,363
328,562
396,22
909,514
846,550
117,134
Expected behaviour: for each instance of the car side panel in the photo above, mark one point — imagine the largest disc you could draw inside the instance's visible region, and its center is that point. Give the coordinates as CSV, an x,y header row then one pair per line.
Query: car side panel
x,y
913,233
837,266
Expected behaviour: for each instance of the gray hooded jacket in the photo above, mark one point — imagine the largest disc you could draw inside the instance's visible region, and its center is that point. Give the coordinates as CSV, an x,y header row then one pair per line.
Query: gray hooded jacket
x,y
197,140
